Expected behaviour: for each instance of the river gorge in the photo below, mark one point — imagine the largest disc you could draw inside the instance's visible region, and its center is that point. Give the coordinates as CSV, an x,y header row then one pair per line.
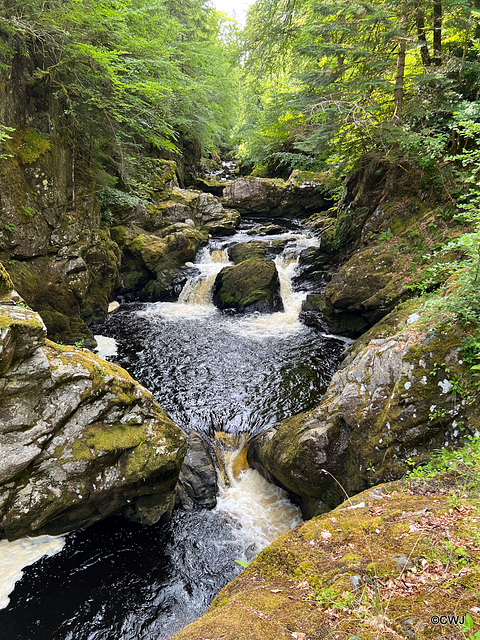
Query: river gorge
x,y
226,376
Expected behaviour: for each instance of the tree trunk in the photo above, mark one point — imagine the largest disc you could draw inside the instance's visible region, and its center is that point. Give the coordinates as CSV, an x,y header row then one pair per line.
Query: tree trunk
x,y
400,74
422,38
437,33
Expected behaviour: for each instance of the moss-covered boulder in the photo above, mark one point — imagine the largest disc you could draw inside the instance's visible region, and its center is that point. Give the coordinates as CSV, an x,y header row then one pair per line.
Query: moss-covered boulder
x,y
80,439
395,401
256,195
246,250
386,564
369,280
251,285
152,263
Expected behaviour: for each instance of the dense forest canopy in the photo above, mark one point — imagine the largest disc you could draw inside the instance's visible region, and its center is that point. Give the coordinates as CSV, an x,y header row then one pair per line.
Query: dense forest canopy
x,y
130,75
330,80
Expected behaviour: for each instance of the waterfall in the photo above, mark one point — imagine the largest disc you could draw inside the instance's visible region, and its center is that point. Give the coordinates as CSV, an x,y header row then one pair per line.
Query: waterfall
x,y
261,510
229,377
195,299
282,323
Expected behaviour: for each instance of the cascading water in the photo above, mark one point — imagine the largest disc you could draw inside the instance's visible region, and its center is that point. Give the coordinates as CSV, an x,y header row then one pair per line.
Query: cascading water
x,y
227,377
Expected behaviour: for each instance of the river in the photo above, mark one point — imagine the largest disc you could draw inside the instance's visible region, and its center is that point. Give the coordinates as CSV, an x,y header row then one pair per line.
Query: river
x,y
214,373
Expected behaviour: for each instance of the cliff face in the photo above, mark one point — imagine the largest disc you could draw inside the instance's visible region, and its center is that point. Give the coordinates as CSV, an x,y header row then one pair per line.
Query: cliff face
x,y
61,261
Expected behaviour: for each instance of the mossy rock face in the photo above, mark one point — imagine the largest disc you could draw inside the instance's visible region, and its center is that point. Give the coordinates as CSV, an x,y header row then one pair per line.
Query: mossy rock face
x,y
211,185
247,250
6,284
394,401
73,287
367,281
374,567
82,440
316,312
251,285
152,264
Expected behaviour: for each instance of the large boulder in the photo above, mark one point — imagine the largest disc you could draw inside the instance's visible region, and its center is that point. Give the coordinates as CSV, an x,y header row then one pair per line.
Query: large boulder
x,y
317,313
303,192
79,438
395,401
251,285
204,210
153,265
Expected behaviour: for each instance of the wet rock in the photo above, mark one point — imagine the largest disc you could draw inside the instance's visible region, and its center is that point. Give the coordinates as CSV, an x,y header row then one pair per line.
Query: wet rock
x,y
316,312
265,230
197,486
389,404
247,250
251,285
79,438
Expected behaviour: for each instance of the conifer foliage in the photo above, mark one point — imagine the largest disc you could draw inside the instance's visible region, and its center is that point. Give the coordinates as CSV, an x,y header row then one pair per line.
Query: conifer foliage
x,y
357,77
130,75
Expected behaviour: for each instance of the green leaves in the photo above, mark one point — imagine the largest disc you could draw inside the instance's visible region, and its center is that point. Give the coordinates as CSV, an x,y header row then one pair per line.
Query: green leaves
x,y
130,73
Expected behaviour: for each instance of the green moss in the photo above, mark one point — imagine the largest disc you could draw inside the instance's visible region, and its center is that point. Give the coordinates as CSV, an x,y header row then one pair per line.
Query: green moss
x,y
6,284
114,437
395,594
28,145
253,281
247,250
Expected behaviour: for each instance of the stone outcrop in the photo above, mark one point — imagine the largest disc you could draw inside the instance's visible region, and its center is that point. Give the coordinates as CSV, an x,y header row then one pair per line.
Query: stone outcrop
x,y
395,401
303,192
153,265
79,438
369,283
157,236
317,313
197,484
375,567
251,285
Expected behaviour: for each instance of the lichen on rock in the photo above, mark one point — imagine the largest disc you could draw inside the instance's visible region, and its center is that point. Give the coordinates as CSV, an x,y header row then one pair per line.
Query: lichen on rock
x,y
390,406
79,438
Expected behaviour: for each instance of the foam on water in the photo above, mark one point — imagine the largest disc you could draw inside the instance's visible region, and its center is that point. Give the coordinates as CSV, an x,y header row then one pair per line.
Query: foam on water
x,y
106,347
262,510
16,555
